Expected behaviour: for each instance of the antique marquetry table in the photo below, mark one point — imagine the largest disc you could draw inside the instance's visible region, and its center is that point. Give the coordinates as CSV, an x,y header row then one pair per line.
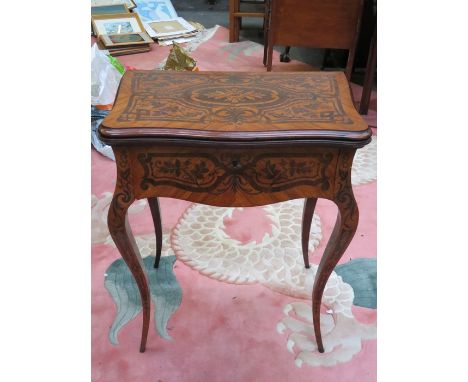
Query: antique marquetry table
x,y
234,139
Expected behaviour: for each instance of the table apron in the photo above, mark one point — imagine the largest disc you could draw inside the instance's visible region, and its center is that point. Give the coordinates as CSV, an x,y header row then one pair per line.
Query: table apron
x,y
232,177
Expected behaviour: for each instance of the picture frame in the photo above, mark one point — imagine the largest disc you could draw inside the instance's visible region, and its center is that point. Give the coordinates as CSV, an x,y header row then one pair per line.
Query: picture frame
x,y
119,23
109,9
116,40
129,3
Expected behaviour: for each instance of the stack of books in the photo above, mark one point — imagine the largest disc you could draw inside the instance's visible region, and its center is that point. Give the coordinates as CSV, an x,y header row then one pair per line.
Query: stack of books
x,y
167,31
118,30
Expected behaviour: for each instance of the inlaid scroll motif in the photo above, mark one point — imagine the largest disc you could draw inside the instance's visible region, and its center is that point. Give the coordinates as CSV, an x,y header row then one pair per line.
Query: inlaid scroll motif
x,y
235,172
123,195
183,171
317,109
148,107
281,172
324,85
345,198
234,99
149,82
233,96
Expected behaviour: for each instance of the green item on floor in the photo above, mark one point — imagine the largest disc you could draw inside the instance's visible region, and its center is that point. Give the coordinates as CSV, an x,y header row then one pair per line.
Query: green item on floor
x,y
117,64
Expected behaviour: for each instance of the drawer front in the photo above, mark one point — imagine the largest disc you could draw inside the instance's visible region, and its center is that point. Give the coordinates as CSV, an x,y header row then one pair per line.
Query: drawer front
x,y
233,177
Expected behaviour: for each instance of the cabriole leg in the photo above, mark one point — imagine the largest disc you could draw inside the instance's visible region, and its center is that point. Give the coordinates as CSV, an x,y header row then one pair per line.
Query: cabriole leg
x,y
308,213
156,214
119,228
343,233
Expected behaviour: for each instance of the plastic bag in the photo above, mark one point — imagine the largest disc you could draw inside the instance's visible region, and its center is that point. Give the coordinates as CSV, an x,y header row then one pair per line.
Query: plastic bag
x,y
97,116
105,78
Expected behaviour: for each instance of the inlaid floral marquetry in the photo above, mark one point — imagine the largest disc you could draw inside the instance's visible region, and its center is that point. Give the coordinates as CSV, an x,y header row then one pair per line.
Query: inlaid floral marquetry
x,y
163,103
235,99
235,171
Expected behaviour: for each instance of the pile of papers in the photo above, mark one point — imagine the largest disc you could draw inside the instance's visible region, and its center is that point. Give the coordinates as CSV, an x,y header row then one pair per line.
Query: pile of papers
x,y
163,24
167,31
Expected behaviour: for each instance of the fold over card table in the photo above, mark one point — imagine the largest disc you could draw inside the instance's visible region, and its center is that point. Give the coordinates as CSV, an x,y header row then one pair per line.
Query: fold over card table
x,y
234,139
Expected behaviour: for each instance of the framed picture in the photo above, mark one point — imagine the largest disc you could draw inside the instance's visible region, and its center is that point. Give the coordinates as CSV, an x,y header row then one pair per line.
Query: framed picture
x,y
109,9
115,40
129,3
119,23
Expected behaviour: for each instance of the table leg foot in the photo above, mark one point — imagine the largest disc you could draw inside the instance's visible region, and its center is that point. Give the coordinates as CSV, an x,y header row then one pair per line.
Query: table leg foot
x,y
343,233
156,214
307,214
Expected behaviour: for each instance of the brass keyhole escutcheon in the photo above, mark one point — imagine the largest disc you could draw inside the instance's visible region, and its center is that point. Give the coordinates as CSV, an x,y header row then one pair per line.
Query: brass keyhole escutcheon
x,y
235,163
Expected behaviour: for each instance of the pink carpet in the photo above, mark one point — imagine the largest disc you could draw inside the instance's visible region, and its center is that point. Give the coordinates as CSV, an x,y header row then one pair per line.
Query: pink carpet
x,y
243,315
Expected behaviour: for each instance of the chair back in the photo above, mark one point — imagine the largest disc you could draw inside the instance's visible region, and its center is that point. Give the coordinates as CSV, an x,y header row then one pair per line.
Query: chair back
x,y
332,24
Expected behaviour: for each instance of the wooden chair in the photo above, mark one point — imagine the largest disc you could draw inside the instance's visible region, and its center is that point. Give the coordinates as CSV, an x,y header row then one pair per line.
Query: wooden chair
x,y
371,67
329,24
236,14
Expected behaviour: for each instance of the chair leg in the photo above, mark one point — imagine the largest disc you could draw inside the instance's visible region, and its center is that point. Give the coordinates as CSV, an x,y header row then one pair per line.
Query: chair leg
x,y
326,55
268,51
234,6
350,63
284,57
349,67
269,57
266,28
369,77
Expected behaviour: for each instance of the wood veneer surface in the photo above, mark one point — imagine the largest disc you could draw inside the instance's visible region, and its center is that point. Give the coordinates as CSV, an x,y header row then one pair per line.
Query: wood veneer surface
x,y
234,106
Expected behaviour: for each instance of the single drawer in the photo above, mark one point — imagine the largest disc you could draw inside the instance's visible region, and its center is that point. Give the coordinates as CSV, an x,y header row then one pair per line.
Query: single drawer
x,y
234,177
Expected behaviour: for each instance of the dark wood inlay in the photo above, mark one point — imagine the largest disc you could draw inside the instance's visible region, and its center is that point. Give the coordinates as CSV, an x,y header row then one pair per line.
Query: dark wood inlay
x,y
233,106
235,171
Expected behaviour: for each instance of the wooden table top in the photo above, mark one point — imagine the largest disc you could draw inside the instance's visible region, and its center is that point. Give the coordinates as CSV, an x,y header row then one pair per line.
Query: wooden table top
x,y
234,106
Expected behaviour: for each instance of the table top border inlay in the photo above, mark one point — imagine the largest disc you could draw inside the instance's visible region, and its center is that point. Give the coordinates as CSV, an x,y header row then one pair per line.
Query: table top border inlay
x,y
112,130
